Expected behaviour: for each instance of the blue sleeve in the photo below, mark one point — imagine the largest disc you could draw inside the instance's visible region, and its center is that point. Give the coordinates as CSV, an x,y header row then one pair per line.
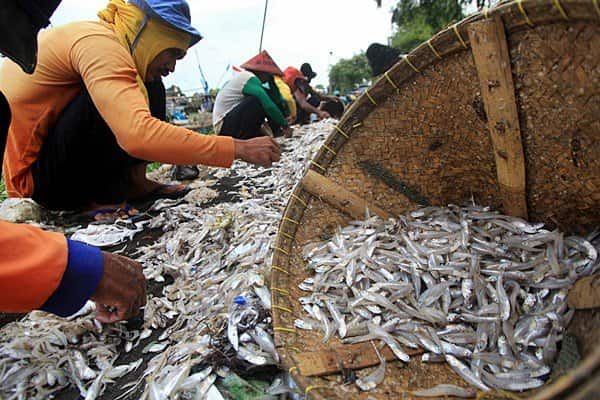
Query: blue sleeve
x,y
79,282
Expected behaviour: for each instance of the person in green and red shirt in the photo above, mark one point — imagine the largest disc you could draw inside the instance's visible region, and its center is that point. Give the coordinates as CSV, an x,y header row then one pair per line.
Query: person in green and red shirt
x,y
249,98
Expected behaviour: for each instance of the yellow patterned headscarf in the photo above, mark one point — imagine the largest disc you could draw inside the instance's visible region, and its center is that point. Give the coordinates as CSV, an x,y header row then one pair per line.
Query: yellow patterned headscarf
x,y
144,42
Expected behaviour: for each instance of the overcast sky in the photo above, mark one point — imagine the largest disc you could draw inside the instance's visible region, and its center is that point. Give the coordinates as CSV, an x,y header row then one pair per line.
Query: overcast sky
x,y
296,32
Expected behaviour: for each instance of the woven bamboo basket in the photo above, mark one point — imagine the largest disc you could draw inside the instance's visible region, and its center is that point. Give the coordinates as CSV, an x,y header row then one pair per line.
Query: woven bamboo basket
x,y
504,108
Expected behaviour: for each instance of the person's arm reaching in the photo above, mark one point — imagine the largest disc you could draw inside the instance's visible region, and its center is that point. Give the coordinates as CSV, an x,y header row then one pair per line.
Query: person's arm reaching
x,y
110,77
44,270
254,88
306,106
109,74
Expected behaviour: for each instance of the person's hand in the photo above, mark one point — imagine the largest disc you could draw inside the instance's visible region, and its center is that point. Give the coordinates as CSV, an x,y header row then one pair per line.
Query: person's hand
x,y
323,115
262,151
291,119
287,132
121,291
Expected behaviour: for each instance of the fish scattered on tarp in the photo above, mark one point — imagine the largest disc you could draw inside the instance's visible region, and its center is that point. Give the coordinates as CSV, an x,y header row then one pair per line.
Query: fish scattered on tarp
x,y
217,258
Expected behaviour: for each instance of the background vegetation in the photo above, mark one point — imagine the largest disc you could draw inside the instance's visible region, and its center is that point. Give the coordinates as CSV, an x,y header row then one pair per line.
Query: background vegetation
x,y
414,22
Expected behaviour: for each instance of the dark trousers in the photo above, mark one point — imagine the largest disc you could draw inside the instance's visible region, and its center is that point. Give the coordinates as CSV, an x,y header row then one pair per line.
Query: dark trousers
x,y
81,162
303,117
245,120
4,124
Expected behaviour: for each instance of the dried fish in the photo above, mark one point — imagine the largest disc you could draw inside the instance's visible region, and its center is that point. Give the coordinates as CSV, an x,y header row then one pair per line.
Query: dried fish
x,y
107,235
446,390
479,290
206,258
371,381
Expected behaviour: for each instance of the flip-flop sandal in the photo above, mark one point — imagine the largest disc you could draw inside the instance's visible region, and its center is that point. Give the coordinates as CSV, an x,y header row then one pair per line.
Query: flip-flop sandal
x,y
109,210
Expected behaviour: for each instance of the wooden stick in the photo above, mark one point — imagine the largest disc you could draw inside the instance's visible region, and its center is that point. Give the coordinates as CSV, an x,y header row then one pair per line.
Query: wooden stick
x,y
337,196
349,356
492,60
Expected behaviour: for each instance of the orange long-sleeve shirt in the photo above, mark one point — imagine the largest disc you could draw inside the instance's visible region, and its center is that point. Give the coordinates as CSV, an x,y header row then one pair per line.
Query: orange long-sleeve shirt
x,y
32,264
88,53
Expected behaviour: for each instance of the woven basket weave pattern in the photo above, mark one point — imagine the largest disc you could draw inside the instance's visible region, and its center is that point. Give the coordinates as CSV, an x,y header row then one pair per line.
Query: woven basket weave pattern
x,y
424,124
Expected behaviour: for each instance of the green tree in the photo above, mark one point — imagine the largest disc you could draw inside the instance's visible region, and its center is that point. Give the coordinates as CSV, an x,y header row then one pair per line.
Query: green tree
x,y
412,33
418,20
347,73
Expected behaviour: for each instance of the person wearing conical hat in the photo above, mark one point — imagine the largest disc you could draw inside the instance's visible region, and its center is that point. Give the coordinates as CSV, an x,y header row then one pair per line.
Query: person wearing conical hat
x,y
301,89
83,125
250,97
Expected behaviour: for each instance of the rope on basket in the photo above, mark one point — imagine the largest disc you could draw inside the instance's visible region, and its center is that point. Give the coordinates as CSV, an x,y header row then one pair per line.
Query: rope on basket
x,y
283,329
391,81
283,292
413,65
597,7
322,168
329,149
370,98
286,235
457,33
344,134
522,10
433,50
282,270
281,250
560,9
300,200
281,308
290,220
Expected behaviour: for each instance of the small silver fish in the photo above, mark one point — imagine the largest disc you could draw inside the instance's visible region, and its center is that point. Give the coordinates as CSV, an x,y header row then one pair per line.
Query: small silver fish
x,y
444,390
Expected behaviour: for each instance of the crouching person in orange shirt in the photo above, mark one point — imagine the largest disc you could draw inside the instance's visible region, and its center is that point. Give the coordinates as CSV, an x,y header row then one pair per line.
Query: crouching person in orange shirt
x,y
44,270
83,129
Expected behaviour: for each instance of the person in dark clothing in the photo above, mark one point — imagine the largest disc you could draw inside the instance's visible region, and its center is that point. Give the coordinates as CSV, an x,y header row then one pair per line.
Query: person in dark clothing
x,y
247,118
5,117
301,91
65,157
329,106
382,57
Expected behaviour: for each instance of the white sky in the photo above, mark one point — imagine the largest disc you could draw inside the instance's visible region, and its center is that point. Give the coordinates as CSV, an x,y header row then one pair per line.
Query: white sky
x,y
296,32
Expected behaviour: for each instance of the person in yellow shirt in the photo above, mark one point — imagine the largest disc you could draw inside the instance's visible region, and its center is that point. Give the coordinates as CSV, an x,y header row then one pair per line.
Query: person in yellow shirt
x,y
288,97
82,128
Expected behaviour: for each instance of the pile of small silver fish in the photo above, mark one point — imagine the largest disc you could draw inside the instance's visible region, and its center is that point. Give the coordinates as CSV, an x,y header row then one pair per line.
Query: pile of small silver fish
x,y
103,235
217,304
482,291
